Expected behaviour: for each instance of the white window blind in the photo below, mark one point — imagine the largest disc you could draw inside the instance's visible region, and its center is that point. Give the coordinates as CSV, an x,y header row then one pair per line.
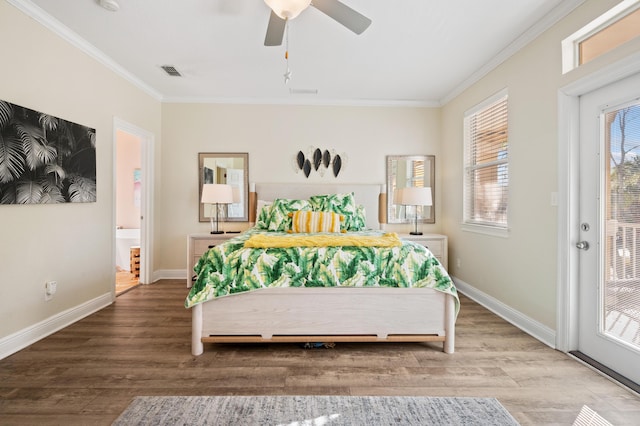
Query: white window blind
x,y
486,183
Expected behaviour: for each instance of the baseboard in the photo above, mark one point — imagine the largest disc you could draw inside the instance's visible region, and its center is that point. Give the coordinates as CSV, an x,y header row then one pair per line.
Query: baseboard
x,y
23,338
170,274
523,322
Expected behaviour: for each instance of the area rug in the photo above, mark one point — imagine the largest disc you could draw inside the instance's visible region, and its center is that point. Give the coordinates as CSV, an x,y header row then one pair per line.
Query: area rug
x,y
313,410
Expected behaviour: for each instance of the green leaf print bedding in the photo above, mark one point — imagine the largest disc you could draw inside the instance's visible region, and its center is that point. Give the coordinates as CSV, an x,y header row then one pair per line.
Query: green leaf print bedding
x,y
231,268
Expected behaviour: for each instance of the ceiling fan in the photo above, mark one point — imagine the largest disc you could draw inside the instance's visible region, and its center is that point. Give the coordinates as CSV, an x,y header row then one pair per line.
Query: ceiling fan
x,y
284,10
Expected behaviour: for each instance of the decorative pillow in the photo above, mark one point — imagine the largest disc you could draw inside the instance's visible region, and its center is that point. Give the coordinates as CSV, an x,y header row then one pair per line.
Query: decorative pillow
x,y
278,219
309,221
264,210
359,219
344,204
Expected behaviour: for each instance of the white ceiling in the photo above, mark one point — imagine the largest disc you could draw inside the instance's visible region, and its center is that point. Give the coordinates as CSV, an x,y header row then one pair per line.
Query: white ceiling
x,y
415,52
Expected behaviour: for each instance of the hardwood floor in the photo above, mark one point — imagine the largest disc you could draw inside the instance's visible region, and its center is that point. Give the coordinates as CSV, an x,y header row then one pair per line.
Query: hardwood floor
x,y
89,372
125,280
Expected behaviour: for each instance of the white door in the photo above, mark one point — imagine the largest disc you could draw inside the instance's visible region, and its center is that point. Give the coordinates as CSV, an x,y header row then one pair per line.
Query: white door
x,y
609,246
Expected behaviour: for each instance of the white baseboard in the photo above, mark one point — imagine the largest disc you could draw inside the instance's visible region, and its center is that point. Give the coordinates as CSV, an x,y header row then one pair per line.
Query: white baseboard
x,y
170,274
523,322
23,338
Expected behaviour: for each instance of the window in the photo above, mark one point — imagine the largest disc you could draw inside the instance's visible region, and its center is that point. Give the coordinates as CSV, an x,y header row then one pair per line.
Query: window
x,y
486,163
610,30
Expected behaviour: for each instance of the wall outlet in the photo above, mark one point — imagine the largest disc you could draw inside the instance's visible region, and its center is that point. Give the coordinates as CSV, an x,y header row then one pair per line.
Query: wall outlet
x,y
50,288
458,263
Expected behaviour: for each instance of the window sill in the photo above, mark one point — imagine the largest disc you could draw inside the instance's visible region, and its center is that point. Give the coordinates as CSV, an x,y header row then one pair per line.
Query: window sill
x,y
493,231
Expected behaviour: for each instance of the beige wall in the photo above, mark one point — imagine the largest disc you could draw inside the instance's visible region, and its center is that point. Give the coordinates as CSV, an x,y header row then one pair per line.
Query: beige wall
x,y
272,135
519,271
127,161
70,243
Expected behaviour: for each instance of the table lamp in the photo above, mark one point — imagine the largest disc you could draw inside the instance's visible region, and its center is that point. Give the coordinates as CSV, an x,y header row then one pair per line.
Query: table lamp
x,y
415,196
216,193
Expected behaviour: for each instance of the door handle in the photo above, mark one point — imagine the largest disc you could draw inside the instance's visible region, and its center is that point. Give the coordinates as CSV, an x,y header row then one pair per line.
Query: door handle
x,y
583,245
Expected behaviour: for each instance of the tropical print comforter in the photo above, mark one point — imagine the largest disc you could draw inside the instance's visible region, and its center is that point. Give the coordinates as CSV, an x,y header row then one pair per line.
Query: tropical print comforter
x,y
231,268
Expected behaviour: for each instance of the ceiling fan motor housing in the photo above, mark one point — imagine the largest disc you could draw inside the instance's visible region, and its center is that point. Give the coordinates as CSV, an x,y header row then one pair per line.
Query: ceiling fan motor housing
x,y
288,9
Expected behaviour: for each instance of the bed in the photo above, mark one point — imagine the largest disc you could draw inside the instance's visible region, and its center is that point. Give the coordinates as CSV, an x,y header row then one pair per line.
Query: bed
x,y
275,299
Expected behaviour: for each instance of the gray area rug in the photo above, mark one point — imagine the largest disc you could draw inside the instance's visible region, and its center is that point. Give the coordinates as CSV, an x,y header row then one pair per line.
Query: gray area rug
x,y
313,410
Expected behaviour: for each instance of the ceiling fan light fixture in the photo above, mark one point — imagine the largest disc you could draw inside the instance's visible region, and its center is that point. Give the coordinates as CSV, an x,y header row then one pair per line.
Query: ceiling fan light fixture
x,y
288,9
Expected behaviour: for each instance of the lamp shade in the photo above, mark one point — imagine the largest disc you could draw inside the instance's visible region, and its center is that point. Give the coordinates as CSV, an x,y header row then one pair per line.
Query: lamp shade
x,y
287,9
216,193
415,196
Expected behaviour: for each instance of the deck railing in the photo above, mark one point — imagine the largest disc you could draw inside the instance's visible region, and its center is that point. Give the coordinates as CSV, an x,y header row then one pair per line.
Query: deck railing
x,y
623,253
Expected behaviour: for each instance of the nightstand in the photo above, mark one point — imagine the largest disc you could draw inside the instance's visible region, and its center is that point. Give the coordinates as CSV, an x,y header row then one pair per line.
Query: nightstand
x,y
197,245
436,243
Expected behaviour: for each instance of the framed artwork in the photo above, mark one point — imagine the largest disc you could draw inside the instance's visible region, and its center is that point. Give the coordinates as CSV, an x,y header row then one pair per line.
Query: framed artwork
x,y
45,159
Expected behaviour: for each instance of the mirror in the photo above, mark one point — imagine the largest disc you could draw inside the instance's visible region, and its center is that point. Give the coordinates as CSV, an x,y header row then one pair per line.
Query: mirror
x,y
410,171
230,168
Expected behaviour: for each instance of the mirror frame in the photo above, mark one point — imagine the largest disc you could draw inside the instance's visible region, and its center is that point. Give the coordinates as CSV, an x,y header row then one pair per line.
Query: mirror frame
x,y
202,156
430,178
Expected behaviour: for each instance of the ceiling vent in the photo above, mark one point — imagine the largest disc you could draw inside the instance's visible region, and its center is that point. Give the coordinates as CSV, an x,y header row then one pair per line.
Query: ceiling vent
x,y
171,70
303,91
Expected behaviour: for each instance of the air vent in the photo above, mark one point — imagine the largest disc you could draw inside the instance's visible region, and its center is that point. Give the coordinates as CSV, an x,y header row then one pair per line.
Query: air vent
x,y
171,70
303,91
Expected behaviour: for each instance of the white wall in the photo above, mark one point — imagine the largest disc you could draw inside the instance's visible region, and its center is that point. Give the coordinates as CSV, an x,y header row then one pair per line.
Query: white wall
x,y
519,271
272,135
70,243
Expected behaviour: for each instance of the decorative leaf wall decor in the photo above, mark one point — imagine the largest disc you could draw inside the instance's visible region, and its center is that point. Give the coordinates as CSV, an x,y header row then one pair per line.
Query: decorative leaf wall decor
x,y
337,165
319,160
326,158
45,159
306,168
300,159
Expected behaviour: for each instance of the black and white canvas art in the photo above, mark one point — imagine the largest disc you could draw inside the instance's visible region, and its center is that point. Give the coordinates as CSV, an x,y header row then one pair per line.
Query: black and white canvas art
x,y
45,159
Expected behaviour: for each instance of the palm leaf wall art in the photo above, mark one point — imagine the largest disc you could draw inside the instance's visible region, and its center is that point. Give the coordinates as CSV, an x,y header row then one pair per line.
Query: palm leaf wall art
x,y
45,159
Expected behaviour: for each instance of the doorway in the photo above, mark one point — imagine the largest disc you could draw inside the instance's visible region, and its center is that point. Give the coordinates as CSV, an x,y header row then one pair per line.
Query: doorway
x,y
572,296
609,235
133,179
128,203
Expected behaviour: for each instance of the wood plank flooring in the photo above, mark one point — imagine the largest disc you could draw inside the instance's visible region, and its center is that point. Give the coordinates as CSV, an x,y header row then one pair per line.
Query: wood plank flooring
x,y
89,372
125,280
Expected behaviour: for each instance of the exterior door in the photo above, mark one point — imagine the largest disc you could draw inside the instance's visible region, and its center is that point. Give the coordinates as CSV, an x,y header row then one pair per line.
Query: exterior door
x,y
609,246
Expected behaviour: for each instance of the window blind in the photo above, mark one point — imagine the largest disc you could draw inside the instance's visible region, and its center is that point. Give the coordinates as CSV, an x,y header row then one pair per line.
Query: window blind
x,y
486,183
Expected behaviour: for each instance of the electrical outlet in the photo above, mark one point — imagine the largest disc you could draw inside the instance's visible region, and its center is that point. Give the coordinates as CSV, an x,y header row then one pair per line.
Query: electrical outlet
x,y
458,263
50,288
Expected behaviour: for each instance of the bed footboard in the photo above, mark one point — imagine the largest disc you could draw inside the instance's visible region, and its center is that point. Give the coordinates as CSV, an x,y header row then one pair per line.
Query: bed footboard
x,y
326,314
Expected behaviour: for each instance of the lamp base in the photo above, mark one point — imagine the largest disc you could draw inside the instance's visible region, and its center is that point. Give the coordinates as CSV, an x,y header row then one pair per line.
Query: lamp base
x,y
217,232
415,233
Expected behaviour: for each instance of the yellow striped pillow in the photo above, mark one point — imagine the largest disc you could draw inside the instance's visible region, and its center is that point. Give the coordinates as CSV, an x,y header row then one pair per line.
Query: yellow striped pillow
x,y
308,221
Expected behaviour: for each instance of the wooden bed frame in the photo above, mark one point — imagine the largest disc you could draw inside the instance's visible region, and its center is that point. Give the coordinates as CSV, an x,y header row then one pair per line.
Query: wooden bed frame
x,y
334,314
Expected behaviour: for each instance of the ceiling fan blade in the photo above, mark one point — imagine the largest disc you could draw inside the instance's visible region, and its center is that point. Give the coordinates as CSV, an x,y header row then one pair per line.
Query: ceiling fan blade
x,y
275,30
342,13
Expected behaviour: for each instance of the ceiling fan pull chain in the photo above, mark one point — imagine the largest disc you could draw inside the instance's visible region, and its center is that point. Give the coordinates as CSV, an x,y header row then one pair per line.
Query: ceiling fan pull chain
x,y
287,74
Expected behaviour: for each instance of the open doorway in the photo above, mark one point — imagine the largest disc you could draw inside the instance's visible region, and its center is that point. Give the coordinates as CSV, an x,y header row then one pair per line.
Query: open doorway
x,y
128,203
133,160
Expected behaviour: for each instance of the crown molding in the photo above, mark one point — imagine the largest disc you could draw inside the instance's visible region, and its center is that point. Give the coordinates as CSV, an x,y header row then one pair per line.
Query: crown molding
x,y
64,32
303,101
559,12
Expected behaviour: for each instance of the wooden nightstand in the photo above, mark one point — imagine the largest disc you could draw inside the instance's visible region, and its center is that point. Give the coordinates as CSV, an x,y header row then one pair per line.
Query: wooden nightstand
x,y
197,244
436,243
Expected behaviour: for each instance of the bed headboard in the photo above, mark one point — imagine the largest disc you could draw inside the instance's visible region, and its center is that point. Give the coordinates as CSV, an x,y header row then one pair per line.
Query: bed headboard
x,y
366,194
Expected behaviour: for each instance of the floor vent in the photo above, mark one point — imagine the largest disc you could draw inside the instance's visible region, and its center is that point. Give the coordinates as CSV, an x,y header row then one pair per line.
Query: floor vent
x,y
171,70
